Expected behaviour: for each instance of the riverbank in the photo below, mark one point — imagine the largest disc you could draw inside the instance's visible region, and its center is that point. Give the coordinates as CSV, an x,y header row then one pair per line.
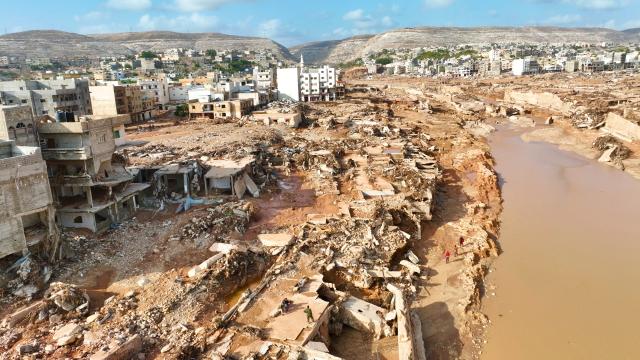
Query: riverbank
x,y
562,284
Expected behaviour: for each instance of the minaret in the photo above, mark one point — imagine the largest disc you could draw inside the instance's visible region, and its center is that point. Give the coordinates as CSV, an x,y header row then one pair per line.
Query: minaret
x,y
301,62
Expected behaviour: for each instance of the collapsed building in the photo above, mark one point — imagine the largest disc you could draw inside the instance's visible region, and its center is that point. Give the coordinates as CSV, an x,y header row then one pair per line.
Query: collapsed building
x,y
91,187
27,215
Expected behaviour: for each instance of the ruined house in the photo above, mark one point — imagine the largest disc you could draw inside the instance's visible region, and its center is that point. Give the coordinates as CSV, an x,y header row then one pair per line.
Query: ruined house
x,y
27,215
90,189
17,123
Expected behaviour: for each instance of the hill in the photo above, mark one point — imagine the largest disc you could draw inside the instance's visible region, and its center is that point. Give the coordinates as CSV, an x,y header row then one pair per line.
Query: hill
x,y
354,47
53,43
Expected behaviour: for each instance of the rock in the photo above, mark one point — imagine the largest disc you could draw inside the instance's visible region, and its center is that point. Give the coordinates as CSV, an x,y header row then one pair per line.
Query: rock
x,y
66,340
143,281
67,331
55,318
130,294
125,351
166,348
49,349
90,338
27,349
92,318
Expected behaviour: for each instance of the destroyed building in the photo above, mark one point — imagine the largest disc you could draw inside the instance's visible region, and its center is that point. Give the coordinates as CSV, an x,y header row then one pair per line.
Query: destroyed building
x,y
27,215
17,123
90,189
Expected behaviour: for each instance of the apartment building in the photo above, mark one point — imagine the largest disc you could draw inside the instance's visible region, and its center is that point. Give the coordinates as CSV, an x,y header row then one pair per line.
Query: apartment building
x,y
48,97
27,215
156,87
17,124
90,189
318,84
264,79
111,100
288,80
525,66
302,84
220,109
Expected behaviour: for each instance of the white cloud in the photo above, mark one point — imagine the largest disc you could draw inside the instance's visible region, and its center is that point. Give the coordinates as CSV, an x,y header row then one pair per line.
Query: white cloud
x,y
599,4
201,5
276,30
590,4
185,23
132,5
438,3
91,17
354,15
564,19
361,22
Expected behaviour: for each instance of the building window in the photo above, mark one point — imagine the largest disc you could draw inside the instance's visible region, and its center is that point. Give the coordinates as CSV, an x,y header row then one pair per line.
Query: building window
x,y
20,125
116,134
77,220
23,101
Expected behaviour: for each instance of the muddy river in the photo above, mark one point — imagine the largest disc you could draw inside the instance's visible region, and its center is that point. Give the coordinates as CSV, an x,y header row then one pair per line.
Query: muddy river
x,y
568,283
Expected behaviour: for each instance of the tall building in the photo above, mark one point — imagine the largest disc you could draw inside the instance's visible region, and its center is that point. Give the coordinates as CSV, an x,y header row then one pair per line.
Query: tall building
x,y
288,84
156,87
48,97
112,100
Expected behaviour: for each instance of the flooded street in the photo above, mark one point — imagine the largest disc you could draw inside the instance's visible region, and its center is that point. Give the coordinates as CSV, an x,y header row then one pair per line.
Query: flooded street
x,y
566,286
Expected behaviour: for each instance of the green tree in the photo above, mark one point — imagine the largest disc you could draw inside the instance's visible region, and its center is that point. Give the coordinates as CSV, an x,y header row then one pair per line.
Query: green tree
x,y
211,53
148,55
384,60
182,110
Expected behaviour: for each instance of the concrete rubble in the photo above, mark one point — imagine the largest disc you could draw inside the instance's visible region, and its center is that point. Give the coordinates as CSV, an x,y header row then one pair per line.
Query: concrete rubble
x,y
334,224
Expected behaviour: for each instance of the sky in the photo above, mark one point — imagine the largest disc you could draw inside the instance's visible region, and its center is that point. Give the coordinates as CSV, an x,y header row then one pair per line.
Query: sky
x,y
293,22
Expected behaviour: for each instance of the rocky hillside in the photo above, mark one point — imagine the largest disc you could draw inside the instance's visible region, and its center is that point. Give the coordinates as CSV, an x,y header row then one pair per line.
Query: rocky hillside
x,y
51,43
348,49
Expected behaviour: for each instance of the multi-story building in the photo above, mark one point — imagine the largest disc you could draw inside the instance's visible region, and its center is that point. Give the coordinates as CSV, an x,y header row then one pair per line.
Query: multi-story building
x,y
48,97
264,80
27,215
157,88
17,123
89,189
111,100
318,84
525,66
288,83
307,84
220,109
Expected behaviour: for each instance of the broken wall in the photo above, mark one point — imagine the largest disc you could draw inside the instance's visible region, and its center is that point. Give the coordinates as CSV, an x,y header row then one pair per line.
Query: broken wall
x,y
24,189
544,100
622,128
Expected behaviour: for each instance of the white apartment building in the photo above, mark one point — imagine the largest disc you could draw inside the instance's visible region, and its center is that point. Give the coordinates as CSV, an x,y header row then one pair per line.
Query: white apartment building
x,y
524,66
288,83
157,88
4,61
318,84
204,95
264,80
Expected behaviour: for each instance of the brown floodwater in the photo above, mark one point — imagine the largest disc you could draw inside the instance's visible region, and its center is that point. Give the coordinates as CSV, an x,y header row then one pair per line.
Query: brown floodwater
x,y
568,283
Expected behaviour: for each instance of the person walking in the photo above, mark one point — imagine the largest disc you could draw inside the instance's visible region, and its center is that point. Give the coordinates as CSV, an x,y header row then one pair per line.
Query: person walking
x,y
461,241
447,255
307,311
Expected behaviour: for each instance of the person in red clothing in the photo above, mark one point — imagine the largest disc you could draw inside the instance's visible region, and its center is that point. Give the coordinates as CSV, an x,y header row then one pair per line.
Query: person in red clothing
x,y
461,241
447,255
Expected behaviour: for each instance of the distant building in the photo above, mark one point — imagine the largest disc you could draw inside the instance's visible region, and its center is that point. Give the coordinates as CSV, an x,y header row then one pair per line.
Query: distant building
x,y
524,66
112,100
48,97
319,84
157,88
265,79
220,109
288,83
